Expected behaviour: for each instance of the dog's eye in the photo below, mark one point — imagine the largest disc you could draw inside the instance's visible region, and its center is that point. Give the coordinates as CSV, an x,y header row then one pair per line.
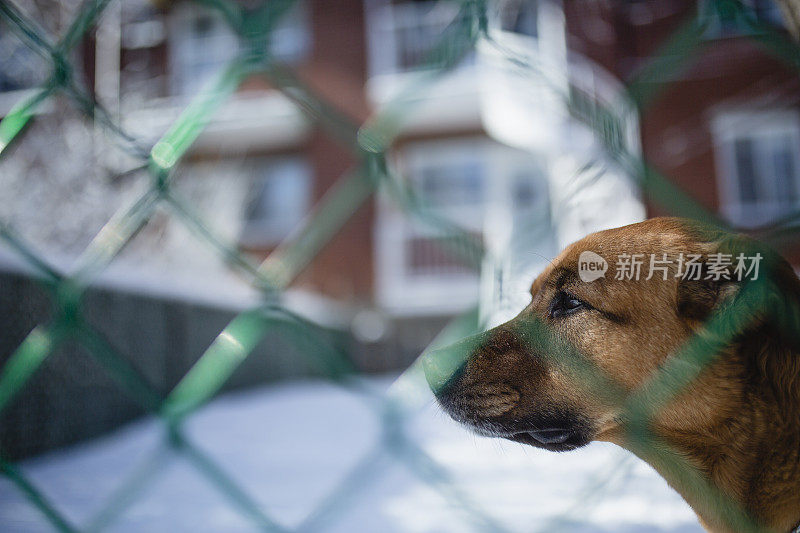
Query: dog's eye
x,y
565,304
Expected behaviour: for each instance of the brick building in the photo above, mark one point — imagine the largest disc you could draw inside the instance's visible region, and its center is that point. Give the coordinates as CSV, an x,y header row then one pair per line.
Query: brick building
x,y
479,142
725,125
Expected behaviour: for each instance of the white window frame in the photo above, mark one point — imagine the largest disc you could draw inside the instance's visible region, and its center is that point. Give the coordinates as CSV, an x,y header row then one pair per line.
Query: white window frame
x,y
756,125
223,45
398,291
265,234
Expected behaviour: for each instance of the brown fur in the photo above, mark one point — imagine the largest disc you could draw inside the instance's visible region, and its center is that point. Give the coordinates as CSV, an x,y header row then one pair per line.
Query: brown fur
x,y
737,423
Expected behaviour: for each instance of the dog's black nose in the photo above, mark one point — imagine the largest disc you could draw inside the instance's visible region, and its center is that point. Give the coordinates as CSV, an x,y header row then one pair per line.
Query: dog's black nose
x,y
443,367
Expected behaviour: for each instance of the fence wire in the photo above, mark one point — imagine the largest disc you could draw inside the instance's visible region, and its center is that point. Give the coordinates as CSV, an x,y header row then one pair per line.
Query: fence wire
x,y
369,144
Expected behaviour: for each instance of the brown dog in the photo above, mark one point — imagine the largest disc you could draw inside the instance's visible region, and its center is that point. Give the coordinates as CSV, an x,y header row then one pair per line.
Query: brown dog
x,y
722,419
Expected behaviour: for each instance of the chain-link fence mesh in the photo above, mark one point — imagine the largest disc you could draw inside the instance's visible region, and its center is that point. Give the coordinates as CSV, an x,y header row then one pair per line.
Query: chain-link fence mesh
x,y
369,144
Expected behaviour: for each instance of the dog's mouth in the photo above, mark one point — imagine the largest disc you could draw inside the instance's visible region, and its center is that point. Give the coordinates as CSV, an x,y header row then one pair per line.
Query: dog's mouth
x,y
558,431
493,409
552,439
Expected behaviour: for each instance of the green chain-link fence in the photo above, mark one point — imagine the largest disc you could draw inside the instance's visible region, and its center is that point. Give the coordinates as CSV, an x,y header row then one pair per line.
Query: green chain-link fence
x,y
369,143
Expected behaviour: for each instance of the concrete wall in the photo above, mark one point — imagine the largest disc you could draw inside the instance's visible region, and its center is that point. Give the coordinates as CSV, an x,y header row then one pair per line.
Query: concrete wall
x,y
72,397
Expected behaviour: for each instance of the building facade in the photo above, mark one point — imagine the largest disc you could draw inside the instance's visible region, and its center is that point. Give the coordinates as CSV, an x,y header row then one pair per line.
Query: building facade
x,y
462,152
499,152
723,126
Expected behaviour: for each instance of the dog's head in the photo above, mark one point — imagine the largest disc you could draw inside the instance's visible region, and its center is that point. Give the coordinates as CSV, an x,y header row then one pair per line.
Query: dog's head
x,y
557,376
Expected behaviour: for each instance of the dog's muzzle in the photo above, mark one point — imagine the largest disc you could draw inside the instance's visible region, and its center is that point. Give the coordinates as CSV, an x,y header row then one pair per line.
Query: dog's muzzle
x,y
496,408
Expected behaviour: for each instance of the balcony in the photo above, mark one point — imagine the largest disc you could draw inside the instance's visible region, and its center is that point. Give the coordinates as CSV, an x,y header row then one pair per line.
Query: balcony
x,y
402,36
487,88
245,122
550,115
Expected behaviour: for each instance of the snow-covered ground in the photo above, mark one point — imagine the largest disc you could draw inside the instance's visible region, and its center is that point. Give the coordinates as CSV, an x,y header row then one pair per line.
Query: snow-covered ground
x,y
290,446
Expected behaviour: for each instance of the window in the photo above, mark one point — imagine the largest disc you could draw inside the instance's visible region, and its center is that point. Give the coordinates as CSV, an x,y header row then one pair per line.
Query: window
x,y
142,62
520,16
403,35
279,198
20,67
454,190
721,18
204,43
419,28
291,38
487,190
758,165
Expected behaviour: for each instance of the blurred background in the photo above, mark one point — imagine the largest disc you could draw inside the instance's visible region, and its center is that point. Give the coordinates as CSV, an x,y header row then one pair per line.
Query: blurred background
x,y
561,118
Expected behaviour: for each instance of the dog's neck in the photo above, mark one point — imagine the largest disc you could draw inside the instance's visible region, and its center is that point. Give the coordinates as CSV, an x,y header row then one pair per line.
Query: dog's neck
x,y
751,452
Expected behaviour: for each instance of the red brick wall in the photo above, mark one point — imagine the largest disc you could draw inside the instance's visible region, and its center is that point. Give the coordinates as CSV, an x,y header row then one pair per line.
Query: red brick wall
x,y
676,137
336,71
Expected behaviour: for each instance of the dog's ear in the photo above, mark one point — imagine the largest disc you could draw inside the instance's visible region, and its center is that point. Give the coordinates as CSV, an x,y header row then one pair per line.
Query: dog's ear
x,y
773,345
707,289
699,296
697,299
774,348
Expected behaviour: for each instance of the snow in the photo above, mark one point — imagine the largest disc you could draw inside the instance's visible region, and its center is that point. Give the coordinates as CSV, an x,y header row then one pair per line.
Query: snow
x,y
289,447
